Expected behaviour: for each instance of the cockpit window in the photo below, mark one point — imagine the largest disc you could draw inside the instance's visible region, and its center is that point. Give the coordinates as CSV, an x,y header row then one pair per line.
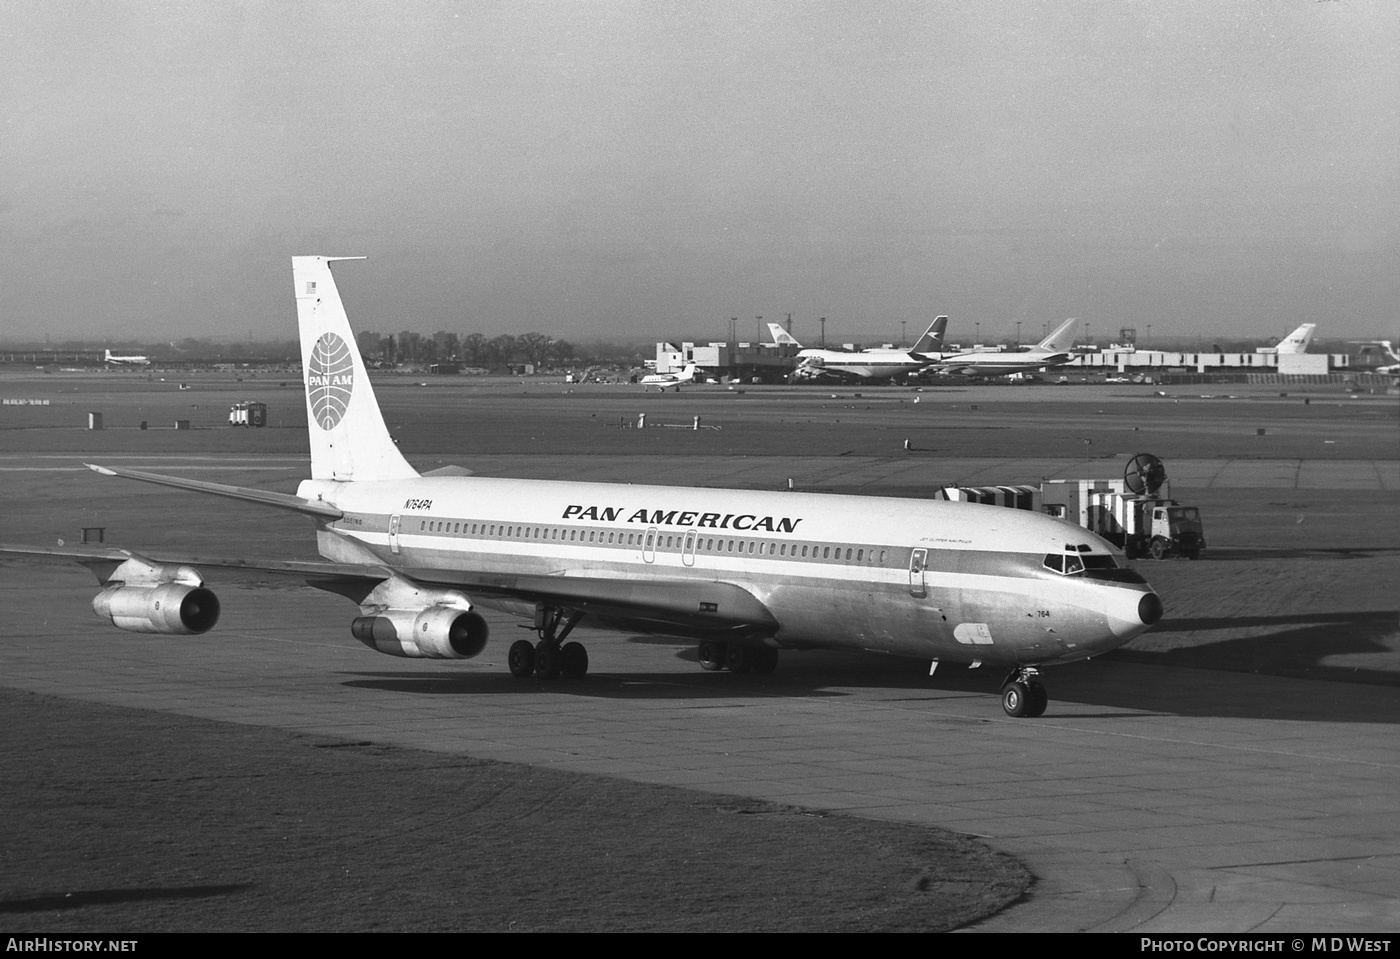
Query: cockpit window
x,y
1075,562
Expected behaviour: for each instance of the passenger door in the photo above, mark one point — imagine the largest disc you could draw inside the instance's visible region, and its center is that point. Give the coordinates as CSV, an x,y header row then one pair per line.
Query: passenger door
x,y
918,562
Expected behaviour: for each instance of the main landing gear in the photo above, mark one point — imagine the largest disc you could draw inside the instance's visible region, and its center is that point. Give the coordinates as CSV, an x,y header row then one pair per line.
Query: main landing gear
x,y
551,657
1022,695
737,658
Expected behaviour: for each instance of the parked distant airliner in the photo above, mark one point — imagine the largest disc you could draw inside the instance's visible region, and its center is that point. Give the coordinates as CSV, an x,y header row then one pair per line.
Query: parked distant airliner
x,y
746,573
1051,351
867,366
126,360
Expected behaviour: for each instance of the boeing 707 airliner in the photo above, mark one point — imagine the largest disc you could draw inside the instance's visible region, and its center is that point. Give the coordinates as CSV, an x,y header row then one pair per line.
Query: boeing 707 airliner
x,y
744,573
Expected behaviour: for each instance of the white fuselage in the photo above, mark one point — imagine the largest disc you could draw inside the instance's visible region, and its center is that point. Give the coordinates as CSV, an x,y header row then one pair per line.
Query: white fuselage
x,y
989,363
870,366
942,581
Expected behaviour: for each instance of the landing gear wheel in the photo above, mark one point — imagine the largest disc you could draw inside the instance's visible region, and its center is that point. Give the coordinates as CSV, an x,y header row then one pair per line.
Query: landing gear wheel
x,y
1159,548
764,660
712,655
547,661
1039,700
737,659
573,660
521,659
1016,700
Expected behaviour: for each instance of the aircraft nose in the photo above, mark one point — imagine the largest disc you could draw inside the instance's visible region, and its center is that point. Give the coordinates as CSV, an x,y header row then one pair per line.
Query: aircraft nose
x,y
1130,614
1149,609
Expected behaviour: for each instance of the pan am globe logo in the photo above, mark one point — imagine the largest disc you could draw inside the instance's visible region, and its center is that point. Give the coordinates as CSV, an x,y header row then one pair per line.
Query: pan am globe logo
x,y
330,376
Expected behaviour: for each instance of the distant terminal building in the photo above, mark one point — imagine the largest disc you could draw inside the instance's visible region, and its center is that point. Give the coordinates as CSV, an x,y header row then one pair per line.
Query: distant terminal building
x,y
772,363
1158,361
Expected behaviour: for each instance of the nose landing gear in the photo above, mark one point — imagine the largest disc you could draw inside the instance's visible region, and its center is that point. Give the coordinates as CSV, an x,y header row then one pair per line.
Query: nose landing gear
x,y
1022,695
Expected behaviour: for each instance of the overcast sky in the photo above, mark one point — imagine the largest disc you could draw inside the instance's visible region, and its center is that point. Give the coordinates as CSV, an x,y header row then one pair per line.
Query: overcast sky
x,y
619,169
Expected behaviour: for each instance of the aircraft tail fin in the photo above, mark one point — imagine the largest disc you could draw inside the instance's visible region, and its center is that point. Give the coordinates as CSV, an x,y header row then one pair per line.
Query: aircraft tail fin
x,y
349,440
1298,340
932,340
781,336
1062,338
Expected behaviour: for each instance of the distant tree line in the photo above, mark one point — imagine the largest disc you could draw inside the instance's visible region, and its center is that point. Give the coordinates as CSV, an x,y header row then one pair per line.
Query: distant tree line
x,y
478,350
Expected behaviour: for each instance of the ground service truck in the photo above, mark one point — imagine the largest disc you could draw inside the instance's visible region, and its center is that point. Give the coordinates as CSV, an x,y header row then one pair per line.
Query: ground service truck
x,y
1135,513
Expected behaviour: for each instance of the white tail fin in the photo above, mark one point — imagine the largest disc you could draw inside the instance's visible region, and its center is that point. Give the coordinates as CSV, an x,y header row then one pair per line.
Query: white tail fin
x,y
1061,339
782,337
932,340
1298,340
349,440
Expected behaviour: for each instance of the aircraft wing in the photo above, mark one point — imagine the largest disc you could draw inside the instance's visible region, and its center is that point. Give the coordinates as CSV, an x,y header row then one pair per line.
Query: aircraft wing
x,y
675,604
679,604
103,561
262,497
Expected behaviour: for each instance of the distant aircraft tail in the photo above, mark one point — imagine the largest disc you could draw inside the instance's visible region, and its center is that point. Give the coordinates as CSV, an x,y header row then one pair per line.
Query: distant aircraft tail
x,y
932,340
107,356
782,337
1298,340
1061,339
349,440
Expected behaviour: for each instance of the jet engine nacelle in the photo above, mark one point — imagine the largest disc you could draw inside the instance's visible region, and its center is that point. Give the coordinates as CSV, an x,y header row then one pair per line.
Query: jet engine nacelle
x,y
438,632
169,608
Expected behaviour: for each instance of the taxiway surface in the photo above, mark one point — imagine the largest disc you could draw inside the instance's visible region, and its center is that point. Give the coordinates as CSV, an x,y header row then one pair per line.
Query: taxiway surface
x,y
1150,798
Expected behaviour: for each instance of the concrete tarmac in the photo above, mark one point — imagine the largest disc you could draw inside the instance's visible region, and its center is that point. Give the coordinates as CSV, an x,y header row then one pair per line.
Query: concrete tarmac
x,y
1150,798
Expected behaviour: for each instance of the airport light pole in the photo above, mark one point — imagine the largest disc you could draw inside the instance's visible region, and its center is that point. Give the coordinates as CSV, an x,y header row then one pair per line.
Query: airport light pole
x,y
977,336
1018,332
823,322
733,334
903,337
758,330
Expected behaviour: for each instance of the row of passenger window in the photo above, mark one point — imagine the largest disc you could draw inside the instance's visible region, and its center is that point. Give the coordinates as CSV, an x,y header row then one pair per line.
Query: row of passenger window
x,y
670,541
